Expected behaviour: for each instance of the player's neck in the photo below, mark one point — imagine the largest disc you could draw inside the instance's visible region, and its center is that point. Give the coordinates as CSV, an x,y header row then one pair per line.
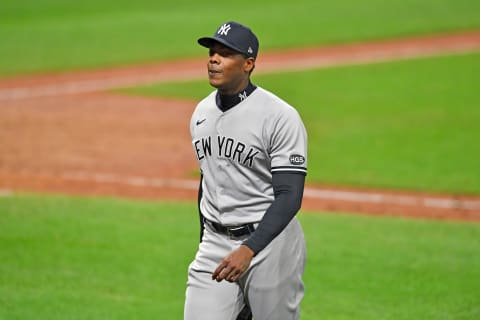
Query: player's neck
x,y
234,87
228,101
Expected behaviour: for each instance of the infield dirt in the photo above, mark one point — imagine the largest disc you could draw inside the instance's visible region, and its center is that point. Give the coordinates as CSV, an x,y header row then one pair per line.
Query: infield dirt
x,y
66,133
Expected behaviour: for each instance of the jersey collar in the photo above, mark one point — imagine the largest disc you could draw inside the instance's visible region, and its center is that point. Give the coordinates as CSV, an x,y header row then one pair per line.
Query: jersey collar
x,y
226,102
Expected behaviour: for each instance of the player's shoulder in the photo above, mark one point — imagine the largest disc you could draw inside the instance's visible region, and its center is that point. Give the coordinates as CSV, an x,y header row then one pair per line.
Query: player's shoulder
x,y
273,103
208,101
206,105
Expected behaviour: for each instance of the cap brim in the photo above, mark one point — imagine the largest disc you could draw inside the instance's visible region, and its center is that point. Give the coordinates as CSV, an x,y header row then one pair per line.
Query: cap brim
x,y
208,41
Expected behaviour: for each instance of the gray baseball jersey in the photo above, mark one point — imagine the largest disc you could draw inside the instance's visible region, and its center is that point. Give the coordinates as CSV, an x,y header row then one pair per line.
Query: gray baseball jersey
x,y
239,149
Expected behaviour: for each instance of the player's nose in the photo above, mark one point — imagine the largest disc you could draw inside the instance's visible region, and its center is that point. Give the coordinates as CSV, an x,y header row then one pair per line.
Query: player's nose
x,y
214,58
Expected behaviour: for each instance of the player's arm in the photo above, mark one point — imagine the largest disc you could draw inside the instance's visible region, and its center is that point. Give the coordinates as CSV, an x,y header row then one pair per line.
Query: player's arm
x,y
288,144
288,190
287,140
200,215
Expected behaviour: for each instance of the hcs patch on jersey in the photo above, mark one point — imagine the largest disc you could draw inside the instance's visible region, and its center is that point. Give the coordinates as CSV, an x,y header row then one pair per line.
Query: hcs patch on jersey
x,y
297,159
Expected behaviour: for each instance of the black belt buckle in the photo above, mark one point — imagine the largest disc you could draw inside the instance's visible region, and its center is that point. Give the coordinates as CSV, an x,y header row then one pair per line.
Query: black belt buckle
x,y
240,231
232,232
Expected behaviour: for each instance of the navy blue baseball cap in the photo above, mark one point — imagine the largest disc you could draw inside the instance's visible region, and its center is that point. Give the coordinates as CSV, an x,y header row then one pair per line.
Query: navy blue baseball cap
x,y
235,36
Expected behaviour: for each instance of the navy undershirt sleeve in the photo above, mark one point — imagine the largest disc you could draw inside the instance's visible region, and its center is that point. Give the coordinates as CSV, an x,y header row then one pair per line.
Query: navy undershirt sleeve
x,y
288,191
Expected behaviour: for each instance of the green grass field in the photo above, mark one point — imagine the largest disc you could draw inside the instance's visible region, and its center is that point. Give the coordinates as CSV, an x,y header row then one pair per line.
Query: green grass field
x,y
408,124
88,258
54,35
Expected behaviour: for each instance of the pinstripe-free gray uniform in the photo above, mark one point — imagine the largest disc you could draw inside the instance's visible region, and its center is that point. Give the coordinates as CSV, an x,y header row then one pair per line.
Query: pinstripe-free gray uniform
x,y
238,150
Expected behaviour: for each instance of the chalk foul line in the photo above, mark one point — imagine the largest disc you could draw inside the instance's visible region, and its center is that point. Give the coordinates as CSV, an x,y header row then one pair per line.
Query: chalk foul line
x,y
309,192
6,193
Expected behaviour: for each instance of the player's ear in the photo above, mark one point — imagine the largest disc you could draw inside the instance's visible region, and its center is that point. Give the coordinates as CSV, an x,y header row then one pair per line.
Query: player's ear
x,y
249,65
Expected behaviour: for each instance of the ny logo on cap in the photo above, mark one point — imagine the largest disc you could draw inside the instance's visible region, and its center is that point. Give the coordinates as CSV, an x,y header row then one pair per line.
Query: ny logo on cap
x,y
223,31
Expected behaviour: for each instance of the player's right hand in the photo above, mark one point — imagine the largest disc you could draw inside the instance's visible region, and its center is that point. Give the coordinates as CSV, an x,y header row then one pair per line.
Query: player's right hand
x,y
234,265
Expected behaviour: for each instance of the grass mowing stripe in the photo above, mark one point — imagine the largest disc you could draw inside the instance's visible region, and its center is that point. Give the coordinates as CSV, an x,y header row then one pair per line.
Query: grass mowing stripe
x,y
51,35
91,258
408,124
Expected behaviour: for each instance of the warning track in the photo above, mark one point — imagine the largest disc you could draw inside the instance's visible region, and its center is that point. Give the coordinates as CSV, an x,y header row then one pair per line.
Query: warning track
x,y
65,133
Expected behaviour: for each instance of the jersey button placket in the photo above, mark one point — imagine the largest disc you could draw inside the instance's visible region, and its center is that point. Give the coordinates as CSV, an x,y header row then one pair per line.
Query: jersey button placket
x,y
220,174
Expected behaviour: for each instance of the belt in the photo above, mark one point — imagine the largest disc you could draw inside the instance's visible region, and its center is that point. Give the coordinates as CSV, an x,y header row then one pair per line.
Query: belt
x,y
232,231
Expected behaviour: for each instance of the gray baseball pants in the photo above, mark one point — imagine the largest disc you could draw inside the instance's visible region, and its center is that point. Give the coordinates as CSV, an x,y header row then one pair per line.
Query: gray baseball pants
x,y
272,285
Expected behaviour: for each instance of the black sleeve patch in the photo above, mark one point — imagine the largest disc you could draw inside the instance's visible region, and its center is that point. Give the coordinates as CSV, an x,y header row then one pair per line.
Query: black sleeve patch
x,y
297,159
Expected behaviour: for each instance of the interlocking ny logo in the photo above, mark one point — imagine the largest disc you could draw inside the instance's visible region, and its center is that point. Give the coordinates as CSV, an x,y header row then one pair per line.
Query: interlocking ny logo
x,y
242,96
223,31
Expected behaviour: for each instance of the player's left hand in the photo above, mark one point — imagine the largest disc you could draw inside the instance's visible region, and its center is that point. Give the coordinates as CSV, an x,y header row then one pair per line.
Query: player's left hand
x,y
234,265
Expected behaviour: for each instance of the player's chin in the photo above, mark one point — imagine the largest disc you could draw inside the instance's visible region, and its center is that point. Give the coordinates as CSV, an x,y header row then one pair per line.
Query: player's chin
x,y
215,82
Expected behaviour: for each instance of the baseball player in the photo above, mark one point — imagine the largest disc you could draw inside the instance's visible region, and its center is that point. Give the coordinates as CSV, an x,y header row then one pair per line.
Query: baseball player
x,y
252,151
